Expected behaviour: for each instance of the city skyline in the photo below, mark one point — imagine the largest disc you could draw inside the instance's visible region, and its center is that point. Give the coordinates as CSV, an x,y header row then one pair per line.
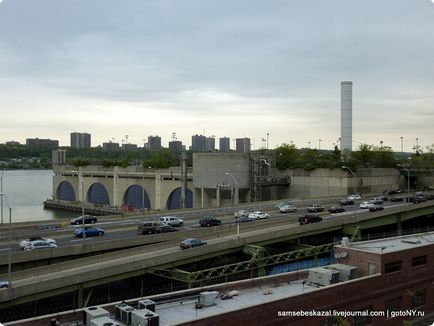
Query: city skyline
x,y
230,69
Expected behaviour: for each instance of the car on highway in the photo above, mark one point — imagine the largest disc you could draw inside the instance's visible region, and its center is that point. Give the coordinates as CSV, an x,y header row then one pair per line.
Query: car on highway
x,y
4,284
355,196
376,201
315,208
84,219
36,238
376,208
191,243
366,205
336,209
244,219
309,218
39,244
241,213
88,231
209,221
396,199
288,209
283,203
171,220
155,227
346,202
258,215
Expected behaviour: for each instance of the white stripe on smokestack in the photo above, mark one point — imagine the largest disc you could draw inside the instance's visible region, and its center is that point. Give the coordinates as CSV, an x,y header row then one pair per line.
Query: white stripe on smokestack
x,y
346,115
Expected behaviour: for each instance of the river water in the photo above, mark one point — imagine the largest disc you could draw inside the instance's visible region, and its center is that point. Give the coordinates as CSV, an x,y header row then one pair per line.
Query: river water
x,y
25,191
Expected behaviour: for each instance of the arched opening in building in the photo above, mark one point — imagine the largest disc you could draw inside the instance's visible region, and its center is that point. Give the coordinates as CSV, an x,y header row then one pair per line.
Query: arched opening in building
x,y
98,194
174,201
136,197
65,191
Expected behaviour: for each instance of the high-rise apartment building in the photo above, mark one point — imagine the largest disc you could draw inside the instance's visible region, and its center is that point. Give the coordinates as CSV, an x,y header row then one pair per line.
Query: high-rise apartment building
x,y
175,145
80,140
224,144
58,157
154,143
198,143
110,147
210,144
242,145
42,142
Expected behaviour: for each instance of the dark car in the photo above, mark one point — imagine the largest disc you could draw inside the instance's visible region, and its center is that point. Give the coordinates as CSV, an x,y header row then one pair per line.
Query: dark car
x,y
396,199
376,201
336,209
244,219
309,218
155,227
209,221
87,219
376,208
346,202
191,243
314,208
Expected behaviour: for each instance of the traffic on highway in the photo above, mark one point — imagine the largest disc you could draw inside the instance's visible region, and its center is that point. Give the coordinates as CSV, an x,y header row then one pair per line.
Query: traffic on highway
x,y
100,230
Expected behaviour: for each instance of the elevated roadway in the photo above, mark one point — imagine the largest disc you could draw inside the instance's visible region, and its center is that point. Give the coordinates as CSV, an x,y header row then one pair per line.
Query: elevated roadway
x,y
36,283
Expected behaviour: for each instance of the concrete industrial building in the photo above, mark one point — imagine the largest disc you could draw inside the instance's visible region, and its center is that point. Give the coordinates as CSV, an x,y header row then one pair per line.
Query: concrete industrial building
x,y
80,140
225,144
346,116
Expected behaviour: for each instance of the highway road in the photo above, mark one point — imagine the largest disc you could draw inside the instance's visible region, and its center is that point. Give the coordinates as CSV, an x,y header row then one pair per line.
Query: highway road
x,y
125,229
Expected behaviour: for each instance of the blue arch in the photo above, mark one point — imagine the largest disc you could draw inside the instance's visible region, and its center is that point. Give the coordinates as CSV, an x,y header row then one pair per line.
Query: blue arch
x,y
65,191
136,197
174,201
97,194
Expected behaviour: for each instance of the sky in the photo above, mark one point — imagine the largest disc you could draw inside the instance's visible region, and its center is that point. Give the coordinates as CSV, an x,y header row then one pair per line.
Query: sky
x,y
227,68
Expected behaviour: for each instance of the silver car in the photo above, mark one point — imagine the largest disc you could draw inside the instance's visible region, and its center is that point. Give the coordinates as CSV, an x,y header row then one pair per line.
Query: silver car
x,y
39,244
27,242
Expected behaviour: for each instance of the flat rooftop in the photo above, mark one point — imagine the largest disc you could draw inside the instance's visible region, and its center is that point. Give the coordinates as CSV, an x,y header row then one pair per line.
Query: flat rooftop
x,y
384,246
178,312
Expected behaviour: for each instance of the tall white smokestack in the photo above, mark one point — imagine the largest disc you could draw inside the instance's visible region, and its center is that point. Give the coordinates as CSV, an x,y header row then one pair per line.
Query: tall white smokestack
x,y
346,116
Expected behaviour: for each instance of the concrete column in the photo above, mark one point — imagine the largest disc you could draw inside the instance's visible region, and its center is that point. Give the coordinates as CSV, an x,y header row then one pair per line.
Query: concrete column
x,y
237,196
399,224
115,187
157,204
202,199
218,196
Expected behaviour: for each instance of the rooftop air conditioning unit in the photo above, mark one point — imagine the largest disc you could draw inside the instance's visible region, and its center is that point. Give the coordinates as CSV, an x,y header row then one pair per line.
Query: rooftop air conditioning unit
x,y
103,321
144,317
346,272
207,298
323,276
147,304
92,313
123,313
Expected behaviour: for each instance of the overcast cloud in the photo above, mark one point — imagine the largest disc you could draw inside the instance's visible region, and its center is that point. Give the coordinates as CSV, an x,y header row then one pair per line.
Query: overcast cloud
x,y
225,68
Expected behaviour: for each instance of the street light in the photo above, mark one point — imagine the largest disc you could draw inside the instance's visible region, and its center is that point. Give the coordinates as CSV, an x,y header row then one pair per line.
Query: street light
x,y
236,196
80,180
1,191
9,240
319,144
354,185
408,181
402,144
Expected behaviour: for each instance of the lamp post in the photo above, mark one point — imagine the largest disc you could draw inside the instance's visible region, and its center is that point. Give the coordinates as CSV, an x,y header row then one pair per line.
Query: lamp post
x,y
319,144
9,241
402,144
354,185
80,180
236,195
408,182
1,191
